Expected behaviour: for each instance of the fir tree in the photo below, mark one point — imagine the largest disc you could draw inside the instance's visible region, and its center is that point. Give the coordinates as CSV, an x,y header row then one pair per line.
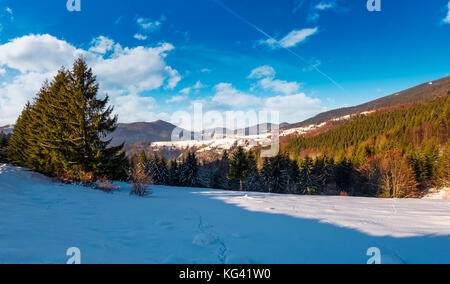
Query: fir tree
x,y
189,171
275,174
163,172
254,180
18,148
142,161
65,129
266,174
3,145
91,122
239,167
174,174
308,182
220,171
293,173
280,177
342,174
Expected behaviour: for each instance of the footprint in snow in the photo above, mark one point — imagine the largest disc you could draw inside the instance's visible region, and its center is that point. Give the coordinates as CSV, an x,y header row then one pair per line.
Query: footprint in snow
x,y
203,240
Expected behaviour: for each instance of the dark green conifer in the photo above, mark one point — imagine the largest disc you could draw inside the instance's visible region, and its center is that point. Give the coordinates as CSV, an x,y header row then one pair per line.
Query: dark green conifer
x,y
239,167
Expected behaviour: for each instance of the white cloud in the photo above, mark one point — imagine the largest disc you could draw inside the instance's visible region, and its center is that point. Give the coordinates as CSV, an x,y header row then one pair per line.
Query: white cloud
x,y
124,72
291,40
296,37
266,75
324,6
185,93
262,72
199,85
447,19
134,108
294,107
226,94
279,86
7,12
140,37
177,99
135,70
148,24
174,78
206,70
37,53
15,94
2,71
101,45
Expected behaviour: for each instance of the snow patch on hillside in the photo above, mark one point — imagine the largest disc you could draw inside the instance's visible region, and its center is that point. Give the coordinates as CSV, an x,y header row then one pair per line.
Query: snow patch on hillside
x,y
247,142
435,193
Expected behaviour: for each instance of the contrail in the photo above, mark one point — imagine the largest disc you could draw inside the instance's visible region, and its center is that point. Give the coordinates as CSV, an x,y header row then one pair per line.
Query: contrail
x,y
229,10
298,6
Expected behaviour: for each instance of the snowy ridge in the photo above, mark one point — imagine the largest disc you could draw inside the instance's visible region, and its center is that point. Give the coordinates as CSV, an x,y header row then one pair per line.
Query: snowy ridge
x,y
8,129
307,129
247,142
187,225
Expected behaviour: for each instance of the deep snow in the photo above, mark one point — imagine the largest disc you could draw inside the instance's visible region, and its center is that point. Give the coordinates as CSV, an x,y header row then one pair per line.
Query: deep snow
x,y
40,220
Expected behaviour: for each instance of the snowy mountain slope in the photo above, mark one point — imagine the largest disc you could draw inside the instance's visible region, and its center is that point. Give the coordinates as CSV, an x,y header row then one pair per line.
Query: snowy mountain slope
x,y
41,220
419,93
8,129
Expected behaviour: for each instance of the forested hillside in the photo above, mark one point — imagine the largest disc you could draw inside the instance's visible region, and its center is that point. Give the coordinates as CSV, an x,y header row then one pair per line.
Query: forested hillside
x,y
404,128
416,94
417,136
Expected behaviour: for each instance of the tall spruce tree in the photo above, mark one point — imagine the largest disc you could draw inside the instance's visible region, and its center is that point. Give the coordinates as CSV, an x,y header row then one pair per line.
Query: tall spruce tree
x,y
219,177
239,167
90,124
308,183
189,171
65,129
163,172
253,181
142,161
3,145
174,174
19,144
280,177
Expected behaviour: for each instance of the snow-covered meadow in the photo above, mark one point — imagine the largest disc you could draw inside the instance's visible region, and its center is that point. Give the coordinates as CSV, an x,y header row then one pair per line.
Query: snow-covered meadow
x,y
40,220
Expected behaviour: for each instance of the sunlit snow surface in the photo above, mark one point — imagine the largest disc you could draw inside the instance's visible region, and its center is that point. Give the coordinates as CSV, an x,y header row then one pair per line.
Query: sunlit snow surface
x,y
40,220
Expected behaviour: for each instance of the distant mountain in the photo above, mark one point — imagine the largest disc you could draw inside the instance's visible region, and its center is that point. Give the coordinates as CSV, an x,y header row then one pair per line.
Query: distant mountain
x,y
413,95
6,129
130,133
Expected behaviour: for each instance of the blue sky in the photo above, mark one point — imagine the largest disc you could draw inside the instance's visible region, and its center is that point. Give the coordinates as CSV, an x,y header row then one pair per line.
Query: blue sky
x,y
158,57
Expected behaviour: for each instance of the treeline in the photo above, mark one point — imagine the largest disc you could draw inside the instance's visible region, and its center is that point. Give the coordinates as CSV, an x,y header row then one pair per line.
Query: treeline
x,y
415,138
3,144
62,132
185,173
396,153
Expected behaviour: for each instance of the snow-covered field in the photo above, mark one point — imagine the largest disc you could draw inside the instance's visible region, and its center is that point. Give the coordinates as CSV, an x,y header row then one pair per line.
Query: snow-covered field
x,y
40,220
